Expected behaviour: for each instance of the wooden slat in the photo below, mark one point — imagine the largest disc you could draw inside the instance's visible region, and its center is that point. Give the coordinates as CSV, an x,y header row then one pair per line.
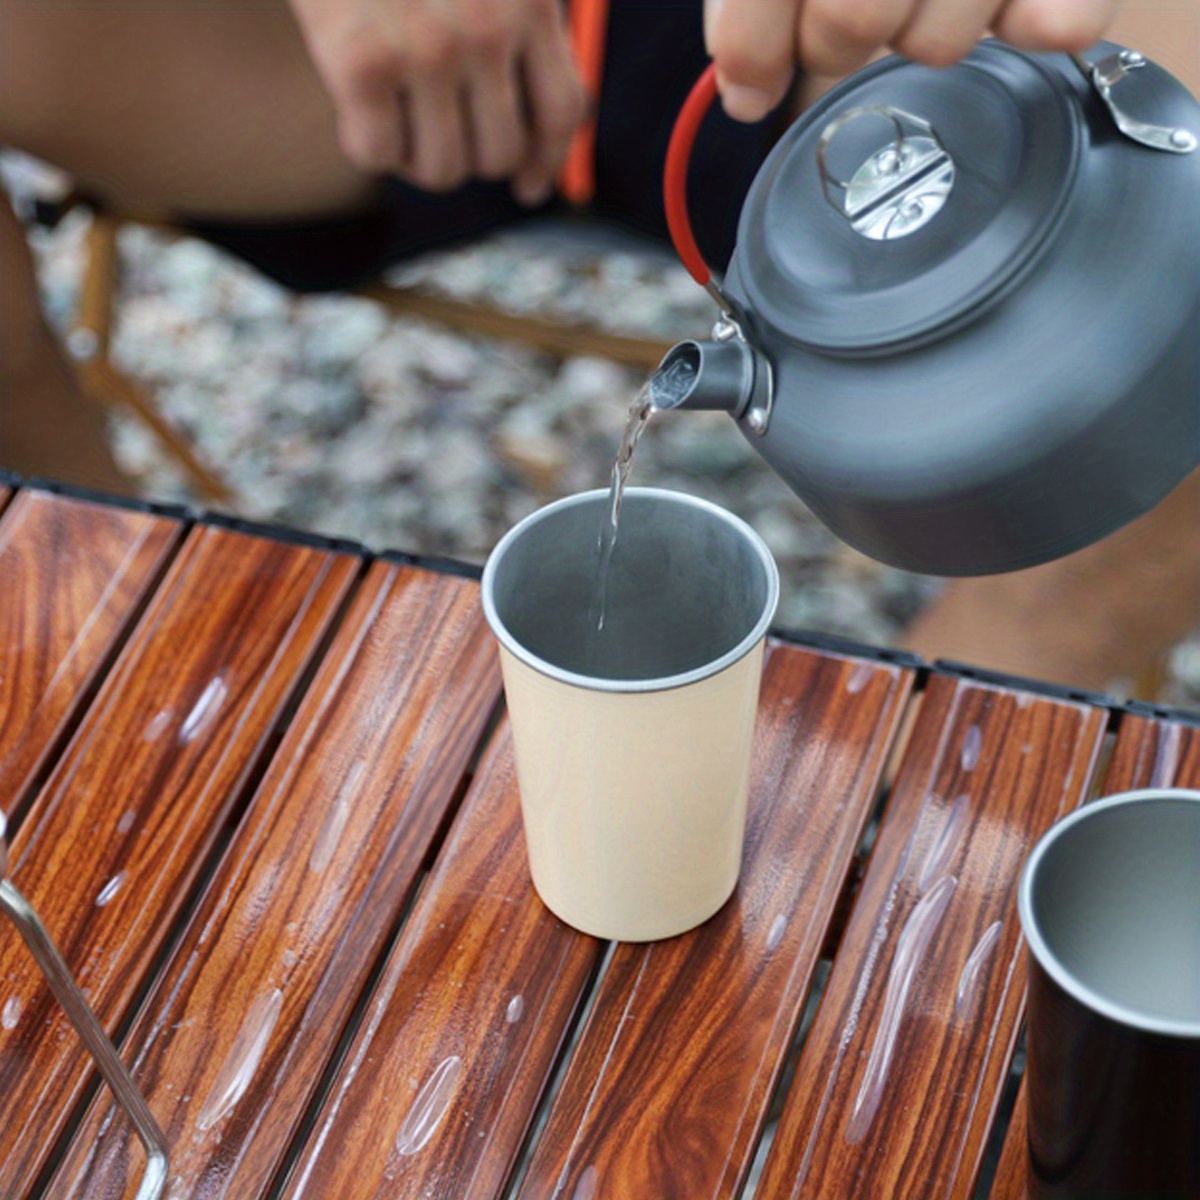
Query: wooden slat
x,y
1153,754
233,1042
462,1031
72,574
895,1089
440,1087
1147,754
115,840
669,1088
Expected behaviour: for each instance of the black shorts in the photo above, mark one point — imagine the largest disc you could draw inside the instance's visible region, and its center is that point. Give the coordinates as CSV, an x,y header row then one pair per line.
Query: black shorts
x,y
655,53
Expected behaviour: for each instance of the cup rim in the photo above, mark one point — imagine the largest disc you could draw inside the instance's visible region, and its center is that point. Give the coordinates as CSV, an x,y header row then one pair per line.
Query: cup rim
x,y
1119,1013
662,683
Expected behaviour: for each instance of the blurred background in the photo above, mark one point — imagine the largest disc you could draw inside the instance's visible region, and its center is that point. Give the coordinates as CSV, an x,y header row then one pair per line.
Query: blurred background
x,y
327,413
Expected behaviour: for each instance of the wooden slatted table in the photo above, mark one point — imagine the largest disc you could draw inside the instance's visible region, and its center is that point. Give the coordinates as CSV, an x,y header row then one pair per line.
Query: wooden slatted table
x,y
263,796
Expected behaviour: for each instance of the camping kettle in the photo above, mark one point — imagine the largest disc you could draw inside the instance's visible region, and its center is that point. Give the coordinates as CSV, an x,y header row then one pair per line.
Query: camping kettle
x,y
962,319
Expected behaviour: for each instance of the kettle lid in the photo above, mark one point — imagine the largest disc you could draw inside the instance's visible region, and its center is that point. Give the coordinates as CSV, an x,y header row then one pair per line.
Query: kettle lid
x,y
908,198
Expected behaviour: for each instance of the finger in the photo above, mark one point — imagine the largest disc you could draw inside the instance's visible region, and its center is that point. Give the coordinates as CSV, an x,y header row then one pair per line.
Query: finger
x,y
839,36
555,106
940,32
1064,25
370,125
497,126
438,159
753,44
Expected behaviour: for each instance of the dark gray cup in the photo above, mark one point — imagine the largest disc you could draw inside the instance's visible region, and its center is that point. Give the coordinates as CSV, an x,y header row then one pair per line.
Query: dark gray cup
x,y
1110,906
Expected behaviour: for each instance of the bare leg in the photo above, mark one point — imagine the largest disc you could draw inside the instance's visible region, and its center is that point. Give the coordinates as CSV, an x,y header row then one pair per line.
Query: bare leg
x,y
1092,619
178,108
209,109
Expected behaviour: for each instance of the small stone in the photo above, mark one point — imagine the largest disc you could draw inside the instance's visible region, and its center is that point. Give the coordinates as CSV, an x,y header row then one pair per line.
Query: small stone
x,y
540,461
320,408
1185,664
364,457
706,443
785,537
595,381
189,270
337,334
255,298
448,359
458,464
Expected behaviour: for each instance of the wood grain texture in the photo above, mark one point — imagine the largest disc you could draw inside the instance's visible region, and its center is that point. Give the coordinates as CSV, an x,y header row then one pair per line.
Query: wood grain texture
x,y
895,1089
669,1087
1147,754
231,1045
438,1087
116,838
72,575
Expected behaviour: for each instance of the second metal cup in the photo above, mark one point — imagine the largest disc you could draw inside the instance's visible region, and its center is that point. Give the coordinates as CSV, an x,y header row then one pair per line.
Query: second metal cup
x,y
1110,906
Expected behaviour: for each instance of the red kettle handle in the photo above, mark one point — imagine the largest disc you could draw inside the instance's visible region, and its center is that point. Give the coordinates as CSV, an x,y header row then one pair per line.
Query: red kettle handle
x,y
679,157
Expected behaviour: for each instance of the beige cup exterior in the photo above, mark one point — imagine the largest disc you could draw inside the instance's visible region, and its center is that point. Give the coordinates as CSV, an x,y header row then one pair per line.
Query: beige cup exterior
x,y
633,750
634,803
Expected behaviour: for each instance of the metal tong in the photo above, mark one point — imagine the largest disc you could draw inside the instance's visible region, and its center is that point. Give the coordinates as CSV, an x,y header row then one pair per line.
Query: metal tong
x,y
67,992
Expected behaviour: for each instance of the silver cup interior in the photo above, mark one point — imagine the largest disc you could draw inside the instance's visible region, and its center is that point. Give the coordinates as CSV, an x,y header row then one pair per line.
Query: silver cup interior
x,y
690,587
1112,899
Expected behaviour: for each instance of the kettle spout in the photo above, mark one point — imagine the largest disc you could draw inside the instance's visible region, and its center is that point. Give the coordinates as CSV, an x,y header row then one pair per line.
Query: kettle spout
x,y
706,375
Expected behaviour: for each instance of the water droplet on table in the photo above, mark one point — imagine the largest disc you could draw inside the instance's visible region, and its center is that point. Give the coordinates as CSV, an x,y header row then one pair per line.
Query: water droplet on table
x,y
158,725
911,947
11,1012
585,1189
972,747
776,932
111,888
335,821
968,981
205,710
242,1061
941,854
860,677
429,1107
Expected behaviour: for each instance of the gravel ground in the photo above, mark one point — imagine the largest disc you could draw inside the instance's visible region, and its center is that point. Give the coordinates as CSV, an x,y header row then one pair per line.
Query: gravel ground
x,y
327,414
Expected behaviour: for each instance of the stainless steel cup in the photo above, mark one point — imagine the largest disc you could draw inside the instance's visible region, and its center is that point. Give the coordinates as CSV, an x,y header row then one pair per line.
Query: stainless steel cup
x,y
632,742
1110,906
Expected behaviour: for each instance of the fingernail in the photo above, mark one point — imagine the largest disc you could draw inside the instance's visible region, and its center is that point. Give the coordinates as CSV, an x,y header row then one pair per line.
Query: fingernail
x,y
746,103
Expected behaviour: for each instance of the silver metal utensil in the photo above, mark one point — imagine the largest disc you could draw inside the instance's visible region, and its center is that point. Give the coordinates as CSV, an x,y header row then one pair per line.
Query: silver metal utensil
x,y
67,992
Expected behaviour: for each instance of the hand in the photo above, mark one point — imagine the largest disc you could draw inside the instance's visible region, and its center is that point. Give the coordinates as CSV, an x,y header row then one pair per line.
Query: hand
x,y
756,44
442,91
